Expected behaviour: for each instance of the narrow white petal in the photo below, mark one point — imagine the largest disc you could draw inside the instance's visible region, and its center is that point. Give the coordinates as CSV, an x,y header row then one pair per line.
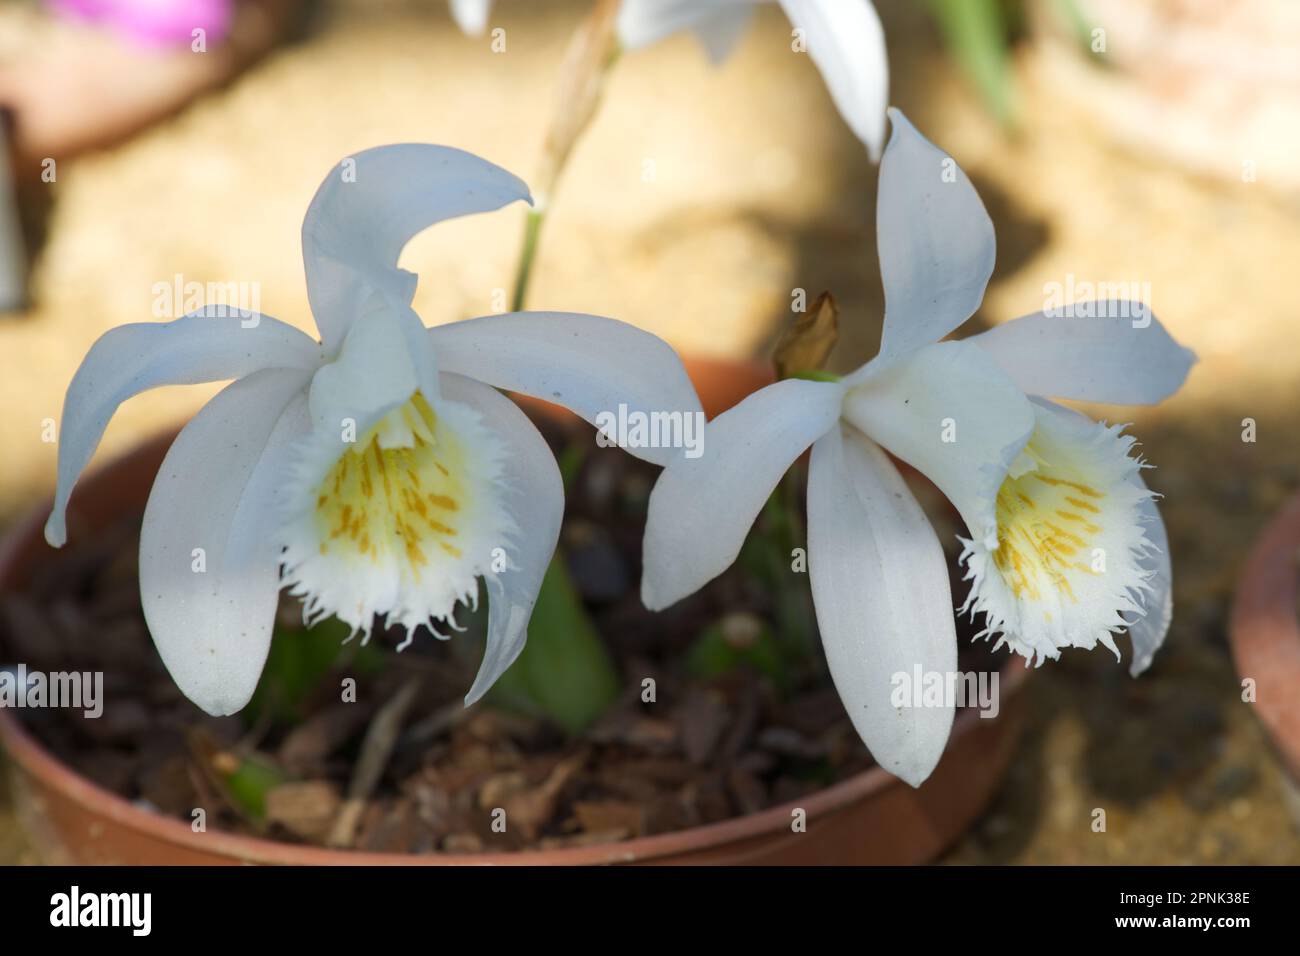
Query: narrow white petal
x,y
884,608
471,15
588,364
536,502
951,413
936,242
846,41
1114,352
207,346
1148,632
209,575
370,206
702,508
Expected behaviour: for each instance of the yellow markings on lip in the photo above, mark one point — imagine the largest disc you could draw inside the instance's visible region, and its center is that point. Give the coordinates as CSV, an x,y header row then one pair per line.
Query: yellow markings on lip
x,y
1041,531
1061,482
379,502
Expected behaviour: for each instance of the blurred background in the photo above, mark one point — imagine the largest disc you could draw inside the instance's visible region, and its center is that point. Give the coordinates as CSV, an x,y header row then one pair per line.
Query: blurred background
x,y
1160,151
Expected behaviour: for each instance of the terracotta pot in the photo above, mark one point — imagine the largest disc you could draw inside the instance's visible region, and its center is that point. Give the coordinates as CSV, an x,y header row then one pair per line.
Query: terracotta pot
x,y
1265,632
872,818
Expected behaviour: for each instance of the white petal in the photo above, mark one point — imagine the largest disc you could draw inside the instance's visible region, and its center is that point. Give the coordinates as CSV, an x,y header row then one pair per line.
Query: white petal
x,y
370,206
1115,352
1148,632
588,364
374,373
846,41
471,15
206,346
936,242
536,502
884,608
951,413
211,612
701,508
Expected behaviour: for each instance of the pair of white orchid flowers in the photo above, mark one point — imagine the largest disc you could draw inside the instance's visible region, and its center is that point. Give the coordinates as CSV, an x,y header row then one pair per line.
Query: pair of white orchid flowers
x,y
379,472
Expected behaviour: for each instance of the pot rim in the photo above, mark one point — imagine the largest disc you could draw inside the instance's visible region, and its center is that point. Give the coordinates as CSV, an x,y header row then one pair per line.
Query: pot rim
x,y
29,754
1264,629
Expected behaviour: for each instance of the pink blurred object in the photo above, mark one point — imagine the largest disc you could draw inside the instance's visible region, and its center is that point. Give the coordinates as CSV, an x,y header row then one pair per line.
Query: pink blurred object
x,y
153,22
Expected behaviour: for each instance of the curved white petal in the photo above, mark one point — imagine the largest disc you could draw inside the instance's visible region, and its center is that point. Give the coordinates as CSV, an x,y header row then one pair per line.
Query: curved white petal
x,y
951,413
846,41
1148,632
935,239
884,607
588,364
206,346
701,508
1115,352
370,206
211,611
375,372
471,15
536,502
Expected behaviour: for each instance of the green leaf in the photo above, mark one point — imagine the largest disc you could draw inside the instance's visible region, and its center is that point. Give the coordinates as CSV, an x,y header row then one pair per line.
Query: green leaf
x,y
565,672
976,33
249,784
299,660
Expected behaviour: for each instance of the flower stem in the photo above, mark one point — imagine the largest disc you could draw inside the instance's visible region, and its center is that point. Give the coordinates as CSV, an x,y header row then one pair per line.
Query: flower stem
x,y
532,231
591,55
565,671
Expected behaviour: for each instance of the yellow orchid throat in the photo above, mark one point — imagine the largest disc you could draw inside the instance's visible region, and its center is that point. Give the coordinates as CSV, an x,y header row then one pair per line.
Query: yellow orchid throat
x,y
404,499
1047,531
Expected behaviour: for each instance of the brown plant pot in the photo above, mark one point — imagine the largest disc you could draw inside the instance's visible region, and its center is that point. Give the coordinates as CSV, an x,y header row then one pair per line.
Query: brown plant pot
x,y
1265,632
872,818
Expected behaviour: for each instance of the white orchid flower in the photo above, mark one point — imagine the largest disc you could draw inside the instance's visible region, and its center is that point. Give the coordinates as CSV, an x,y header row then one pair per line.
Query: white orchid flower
x,y
378,471
1066,547
843,37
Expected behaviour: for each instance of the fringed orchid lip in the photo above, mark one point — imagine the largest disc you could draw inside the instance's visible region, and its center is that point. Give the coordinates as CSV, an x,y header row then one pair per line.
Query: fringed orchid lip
x,y
399,524
1066,547
379,468
1068,568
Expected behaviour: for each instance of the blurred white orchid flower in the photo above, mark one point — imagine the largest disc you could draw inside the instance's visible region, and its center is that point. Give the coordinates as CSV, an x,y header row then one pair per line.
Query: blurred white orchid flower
x,y
1066,546
375,472
843,37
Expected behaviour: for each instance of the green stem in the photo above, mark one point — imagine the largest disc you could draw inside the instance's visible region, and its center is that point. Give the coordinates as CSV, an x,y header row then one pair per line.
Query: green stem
x,y
532,234
816,375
